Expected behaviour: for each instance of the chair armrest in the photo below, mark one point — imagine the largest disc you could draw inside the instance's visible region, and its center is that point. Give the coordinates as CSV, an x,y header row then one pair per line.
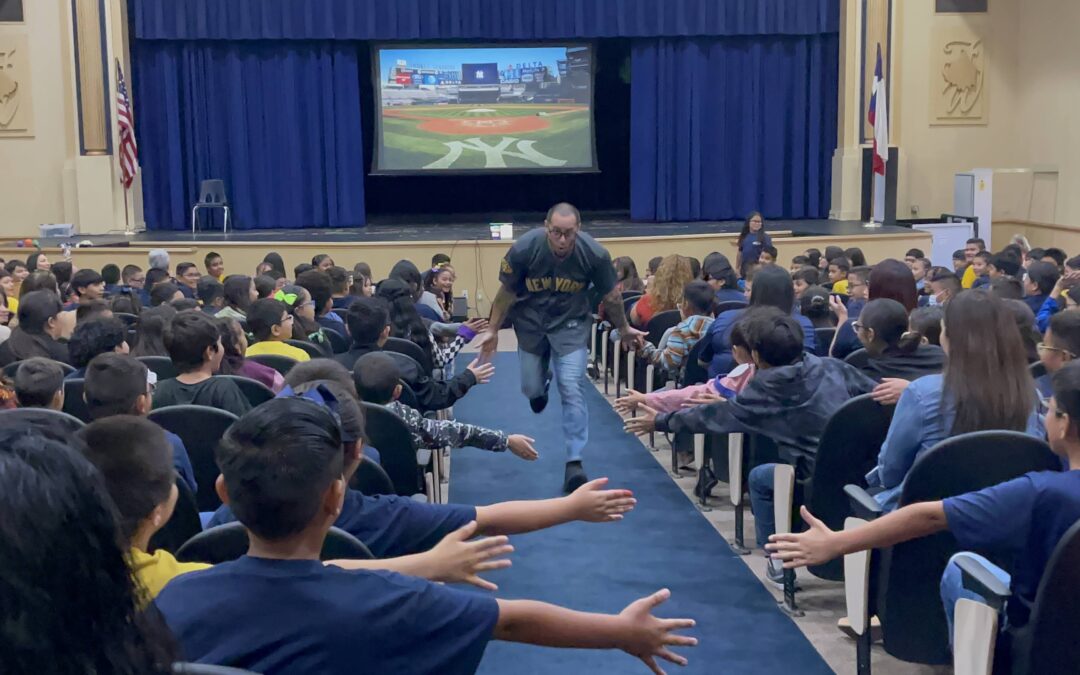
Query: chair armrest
x,y
977,579
423,457
863,504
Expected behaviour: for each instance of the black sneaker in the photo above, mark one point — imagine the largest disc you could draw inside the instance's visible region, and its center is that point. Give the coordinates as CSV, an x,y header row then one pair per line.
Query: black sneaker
x,y
575,477
540,402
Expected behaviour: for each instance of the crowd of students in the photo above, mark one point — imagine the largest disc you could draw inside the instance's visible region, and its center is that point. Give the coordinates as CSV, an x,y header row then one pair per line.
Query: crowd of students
x,y
285,469
986,345
950,348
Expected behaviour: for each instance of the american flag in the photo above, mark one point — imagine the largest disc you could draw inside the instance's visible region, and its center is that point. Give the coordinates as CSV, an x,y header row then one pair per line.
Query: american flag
x,y
129,151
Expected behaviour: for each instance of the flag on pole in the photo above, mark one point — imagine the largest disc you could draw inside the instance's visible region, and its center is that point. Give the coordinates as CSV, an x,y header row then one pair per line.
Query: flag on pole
x,y
879,117
125,120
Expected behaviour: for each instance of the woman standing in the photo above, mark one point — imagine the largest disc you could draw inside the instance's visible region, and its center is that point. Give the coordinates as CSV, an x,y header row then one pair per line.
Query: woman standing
x,y
752,240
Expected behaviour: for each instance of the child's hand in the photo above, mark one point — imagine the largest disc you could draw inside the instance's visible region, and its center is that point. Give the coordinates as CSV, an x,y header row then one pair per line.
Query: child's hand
x,y
481,371
455,559
889,391
839,309
477,325
522,446
647,637
815,546
703,398
643,423
630,402
592,504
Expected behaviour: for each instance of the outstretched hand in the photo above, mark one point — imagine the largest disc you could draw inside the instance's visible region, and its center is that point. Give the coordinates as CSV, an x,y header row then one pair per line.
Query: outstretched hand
x,y
630,402
522,446
487,342
631,337
812,547
644,423
593,504
455,559
480,370
648,637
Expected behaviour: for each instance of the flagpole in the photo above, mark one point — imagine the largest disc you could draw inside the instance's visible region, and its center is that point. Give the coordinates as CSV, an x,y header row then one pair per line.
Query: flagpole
x,y
127,216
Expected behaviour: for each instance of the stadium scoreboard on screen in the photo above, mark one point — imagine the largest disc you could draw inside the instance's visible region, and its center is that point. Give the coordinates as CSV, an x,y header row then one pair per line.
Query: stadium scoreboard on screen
x,y
477,109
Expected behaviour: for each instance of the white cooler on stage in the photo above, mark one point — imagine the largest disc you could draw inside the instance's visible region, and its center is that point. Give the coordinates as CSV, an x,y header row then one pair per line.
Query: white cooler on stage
x,y
948,237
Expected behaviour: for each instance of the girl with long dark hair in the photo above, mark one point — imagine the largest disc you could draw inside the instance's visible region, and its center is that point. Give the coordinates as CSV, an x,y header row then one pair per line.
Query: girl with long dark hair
x,y
234,343
985,385
889,279
772,288
38,330
893,349
239,294
438,294
70,602
405,323
626,275
717,271
752,240
150,331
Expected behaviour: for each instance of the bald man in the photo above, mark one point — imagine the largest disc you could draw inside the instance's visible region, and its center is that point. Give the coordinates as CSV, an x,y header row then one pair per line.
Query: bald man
x,y
546,278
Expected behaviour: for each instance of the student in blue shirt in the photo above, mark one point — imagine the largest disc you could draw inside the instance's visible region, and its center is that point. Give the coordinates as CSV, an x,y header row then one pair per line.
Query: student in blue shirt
x,y
279,610
1039,282
1022,519
717,271
752,241
986,369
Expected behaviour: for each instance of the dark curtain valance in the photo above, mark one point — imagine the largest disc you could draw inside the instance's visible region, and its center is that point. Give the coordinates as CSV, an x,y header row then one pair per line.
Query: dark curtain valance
x,y
476,19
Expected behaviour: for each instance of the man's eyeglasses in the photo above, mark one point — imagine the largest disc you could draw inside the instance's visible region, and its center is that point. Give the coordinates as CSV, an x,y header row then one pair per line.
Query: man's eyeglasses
x,y
562,234
1043,347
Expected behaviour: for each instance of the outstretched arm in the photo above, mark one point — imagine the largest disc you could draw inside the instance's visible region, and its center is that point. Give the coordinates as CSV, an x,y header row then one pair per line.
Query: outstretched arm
x,y
588,503
488,341
634,630
613,310
819,544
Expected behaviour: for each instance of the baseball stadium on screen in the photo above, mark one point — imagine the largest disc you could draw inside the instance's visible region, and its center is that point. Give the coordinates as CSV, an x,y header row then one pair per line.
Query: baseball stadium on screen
x,y
484,109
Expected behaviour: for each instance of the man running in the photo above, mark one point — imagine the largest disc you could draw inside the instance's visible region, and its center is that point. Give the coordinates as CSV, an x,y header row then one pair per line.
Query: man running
x,y
546,278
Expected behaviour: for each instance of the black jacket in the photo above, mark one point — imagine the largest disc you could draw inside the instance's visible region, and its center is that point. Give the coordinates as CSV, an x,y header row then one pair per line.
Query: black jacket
x,y
430,394
788,404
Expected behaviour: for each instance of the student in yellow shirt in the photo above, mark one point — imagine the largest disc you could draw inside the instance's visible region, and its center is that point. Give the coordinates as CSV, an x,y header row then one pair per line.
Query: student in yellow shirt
x,y
271,324
11,291
838,273
136,460
971,248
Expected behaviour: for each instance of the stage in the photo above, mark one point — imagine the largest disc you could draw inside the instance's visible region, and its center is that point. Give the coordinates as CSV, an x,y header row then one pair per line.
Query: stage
x,y
475,255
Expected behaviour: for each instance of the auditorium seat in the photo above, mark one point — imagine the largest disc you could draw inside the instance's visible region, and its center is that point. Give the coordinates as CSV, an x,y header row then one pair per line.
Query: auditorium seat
x,y
74,403
45,418
254,391
230,541
280,363
182,525
162,366
201,429
401,460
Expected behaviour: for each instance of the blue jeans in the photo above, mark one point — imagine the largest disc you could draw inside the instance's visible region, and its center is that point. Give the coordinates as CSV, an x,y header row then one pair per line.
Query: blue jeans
x,y
761,502
570,378
952,586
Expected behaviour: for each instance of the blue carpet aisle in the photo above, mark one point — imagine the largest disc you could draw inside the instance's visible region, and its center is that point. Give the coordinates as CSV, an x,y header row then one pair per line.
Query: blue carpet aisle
x,y
664,542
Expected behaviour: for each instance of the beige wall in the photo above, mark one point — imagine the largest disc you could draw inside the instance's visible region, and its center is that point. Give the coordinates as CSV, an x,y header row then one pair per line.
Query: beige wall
x,y
931,155
1049,98
32,169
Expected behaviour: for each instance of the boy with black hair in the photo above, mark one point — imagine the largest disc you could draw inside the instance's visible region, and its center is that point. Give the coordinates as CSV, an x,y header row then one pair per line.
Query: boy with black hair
x,y
971,248
944,286
211,294
1061,344
119,384
317,283
282,470
187,278
798,262
803,278
439,259
133,280
1007,288
378,381
39,383
1039,281
369,324
214,266
92,309
912,255
92,337
339,288
1023,518
838,272
1055,256
768,255
858,289
194,345
696,310
959,262
981,265
271,325
1063,296
86,285
921,270
110,274
790,400
1004,264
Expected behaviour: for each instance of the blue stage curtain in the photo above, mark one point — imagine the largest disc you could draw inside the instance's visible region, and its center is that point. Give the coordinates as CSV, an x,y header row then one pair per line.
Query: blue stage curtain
x,y
484,19
280,123
725,126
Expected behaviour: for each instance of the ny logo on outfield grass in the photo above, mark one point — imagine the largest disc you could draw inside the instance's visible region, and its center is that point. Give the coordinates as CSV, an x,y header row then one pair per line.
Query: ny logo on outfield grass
x,y
495,155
